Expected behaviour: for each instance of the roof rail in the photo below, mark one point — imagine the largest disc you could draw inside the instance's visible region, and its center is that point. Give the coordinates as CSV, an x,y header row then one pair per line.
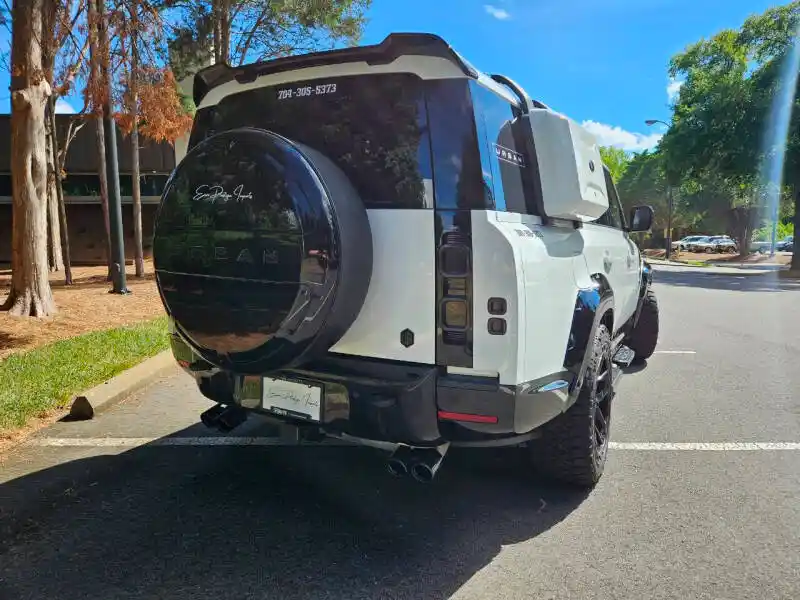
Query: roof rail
x,y
528,103
392,47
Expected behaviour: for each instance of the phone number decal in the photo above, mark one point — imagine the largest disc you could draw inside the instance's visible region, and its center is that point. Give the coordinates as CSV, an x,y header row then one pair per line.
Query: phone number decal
x,y
306,91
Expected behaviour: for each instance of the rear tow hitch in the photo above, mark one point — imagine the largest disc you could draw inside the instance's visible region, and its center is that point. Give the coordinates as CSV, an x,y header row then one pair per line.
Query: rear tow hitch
x,y
224,417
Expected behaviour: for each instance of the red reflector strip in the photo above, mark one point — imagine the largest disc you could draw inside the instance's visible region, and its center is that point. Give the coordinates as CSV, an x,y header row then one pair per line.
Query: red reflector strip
x,y
454,416
184,363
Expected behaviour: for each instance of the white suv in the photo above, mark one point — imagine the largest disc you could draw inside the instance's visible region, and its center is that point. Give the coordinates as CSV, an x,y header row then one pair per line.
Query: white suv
x,y
384,245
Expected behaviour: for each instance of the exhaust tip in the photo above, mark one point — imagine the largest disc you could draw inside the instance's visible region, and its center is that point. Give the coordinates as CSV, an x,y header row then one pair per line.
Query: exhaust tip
x,y
396,467
422,473
210,417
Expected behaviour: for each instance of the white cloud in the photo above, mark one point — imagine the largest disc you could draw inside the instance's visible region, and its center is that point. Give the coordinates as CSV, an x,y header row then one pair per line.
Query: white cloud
x,y
673,87
64,108
609,135
497,13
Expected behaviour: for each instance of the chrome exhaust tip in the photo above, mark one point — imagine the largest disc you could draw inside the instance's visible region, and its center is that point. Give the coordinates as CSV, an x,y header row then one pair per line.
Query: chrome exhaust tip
x,y
397,465
426,463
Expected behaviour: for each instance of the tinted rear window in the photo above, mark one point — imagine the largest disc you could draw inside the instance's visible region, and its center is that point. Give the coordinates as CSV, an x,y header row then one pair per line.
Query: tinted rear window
x,y
374,127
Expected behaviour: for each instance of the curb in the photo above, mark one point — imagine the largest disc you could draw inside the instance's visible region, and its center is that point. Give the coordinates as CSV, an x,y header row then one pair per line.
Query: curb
x,y
105,395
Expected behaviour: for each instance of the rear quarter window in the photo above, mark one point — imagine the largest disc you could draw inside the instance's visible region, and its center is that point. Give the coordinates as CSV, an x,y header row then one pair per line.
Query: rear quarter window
x,y
374,127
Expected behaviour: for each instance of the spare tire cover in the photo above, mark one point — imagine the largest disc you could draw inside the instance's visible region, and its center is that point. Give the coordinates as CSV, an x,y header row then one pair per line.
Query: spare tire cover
x,y
262,251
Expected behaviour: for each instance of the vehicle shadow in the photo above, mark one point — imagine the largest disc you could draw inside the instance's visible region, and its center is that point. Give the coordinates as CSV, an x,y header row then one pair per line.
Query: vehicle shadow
x,y
749,282
264,522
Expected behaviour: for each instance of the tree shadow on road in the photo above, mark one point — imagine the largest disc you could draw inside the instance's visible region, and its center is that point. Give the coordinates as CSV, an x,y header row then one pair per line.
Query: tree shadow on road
x,y
264,522
750,282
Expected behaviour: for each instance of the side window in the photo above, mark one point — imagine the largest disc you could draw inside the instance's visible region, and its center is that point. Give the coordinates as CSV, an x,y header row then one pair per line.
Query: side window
x,y
497,118
454,144
613,216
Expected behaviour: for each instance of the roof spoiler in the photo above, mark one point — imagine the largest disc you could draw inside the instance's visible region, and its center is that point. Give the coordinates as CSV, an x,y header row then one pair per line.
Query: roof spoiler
x,y
391,48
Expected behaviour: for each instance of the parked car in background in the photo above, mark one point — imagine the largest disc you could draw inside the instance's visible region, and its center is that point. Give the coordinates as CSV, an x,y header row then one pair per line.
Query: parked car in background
x,y
786,244
683,244
702,244
723,243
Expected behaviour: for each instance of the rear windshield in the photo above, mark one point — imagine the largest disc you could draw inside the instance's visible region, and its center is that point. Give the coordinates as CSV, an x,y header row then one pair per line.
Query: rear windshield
x,y
373,126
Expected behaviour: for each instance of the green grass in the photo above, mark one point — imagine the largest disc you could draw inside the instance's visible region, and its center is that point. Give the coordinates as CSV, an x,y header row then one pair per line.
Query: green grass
x,y
36,382
695,263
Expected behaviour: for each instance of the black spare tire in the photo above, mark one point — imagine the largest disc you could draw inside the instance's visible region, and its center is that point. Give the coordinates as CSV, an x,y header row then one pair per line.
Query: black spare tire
x,y
262,251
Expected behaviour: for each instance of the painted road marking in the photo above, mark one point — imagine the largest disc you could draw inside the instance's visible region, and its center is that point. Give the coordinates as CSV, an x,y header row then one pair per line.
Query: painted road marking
x,y
675,352
110,442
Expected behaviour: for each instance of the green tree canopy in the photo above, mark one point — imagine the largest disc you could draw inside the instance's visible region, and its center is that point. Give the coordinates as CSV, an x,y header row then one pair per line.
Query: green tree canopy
x,y
616,159
720,138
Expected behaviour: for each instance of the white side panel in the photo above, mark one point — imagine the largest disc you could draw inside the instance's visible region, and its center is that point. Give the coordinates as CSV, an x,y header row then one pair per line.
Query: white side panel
x,y
533,267
551,256
402,292
609,251
426,67
497,272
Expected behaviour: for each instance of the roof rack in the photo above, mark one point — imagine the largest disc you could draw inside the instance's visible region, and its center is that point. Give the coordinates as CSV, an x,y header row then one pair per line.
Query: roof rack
x,y
528,103
392,47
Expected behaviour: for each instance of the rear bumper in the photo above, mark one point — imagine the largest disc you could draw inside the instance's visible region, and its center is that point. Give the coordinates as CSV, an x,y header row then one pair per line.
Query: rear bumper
x,y
405,403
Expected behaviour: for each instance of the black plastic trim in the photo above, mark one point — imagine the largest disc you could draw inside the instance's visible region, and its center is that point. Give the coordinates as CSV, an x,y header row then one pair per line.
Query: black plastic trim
x,y
400,402
453,230
390,49
593,305
646,280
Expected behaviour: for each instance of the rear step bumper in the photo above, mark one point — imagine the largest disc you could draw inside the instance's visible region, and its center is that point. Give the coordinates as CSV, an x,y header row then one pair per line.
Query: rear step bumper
x,y
410,404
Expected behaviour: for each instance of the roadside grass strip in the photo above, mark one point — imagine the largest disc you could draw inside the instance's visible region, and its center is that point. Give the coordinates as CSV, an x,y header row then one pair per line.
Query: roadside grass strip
x,y
34,383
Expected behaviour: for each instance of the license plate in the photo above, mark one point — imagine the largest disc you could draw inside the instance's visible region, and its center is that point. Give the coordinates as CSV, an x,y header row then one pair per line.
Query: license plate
x,y
291,399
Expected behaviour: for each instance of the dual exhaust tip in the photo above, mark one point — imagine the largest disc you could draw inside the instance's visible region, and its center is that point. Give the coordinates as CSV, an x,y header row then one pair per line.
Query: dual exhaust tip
x,y
421,463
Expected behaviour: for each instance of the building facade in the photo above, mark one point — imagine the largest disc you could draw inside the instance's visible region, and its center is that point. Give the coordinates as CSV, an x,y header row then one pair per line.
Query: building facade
x,y
82,190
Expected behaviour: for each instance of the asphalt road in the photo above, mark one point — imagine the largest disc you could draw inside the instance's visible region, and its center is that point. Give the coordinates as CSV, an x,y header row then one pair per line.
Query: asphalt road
x,y
117,519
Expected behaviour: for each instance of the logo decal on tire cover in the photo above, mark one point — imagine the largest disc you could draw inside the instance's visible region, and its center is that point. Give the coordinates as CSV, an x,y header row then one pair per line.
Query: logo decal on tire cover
x,y
245,257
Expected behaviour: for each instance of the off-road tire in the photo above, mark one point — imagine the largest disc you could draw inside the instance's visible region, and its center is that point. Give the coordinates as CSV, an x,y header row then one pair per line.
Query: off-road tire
x,y
572,449
644,337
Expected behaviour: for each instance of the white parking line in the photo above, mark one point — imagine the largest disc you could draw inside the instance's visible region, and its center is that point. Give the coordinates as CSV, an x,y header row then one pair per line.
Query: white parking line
x,y
675,352
705,446
110,442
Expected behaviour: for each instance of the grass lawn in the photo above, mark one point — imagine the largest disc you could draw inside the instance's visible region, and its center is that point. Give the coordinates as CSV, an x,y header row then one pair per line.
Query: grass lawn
x,y
39,381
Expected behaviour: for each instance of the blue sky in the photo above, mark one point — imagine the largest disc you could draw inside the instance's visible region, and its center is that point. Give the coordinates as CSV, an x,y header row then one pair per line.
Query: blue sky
x,y
601,62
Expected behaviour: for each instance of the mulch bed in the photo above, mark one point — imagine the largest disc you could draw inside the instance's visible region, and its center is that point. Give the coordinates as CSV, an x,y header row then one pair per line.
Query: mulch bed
x,y
82,307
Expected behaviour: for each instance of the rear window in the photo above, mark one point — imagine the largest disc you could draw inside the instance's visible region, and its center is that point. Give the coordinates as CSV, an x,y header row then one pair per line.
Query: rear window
x,y
374,127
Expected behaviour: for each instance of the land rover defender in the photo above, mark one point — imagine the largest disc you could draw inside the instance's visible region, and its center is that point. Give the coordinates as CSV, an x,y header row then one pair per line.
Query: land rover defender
x,y
384,245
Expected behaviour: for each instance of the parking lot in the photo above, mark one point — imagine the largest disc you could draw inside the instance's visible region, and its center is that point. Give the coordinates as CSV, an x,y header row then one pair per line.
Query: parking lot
x,y
699,498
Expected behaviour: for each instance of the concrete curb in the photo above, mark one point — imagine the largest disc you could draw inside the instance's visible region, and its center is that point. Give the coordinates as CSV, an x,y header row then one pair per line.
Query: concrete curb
x,y
103,396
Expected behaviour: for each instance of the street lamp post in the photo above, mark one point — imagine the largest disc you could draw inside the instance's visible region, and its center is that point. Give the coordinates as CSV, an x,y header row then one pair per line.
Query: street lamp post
x,y
668,249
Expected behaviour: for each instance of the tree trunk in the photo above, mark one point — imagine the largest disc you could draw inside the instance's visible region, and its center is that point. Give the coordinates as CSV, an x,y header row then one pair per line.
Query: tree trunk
x,y
53,220
62,212
95,57
138,250
221,14
49,17
30,293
